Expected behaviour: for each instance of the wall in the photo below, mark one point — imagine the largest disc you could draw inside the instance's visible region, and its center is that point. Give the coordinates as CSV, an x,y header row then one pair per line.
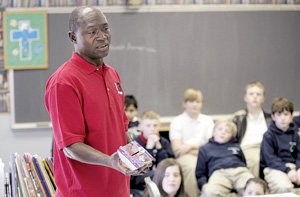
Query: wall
x,y
36,141
217,52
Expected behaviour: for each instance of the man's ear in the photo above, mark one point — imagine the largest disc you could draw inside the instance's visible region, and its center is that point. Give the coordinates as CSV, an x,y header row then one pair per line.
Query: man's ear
x,y
72,36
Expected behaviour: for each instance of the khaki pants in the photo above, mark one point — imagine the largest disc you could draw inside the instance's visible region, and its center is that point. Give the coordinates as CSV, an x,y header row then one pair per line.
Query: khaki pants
x,y
252,155
188,165
278,181
222,181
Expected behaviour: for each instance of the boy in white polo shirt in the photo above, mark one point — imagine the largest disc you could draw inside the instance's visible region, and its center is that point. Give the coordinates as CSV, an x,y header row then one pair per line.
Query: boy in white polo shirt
x,y
189,131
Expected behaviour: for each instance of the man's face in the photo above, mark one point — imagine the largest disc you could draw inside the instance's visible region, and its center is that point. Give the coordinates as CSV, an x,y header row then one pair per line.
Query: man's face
x,y
93,35
254,97
282,119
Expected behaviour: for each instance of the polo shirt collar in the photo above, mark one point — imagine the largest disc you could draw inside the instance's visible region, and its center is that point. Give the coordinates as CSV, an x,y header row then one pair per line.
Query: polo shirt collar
x,y
85,65
192,120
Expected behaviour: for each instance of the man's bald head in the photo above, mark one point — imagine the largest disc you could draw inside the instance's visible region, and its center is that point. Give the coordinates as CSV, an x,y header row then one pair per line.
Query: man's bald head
x,y
77,14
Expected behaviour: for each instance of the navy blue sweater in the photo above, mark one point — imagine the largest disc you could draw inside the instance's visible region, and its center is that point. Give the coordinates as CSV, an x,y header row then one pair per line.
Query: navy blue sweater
x,y
279,147
214,156
297,121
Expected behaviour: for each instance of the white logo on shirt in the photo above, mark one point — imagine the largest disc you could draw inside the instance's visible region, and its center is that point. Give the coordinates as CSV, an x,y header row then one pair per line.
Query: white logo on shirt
x,y
292,146
235,150
119,88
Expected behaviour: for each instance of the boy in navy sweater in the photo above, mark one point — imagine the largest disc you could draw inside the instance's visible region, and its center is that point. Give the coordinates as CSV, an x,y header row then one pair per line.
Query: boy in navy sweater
x,y
221,164
131,110
280,149
297,121
159,147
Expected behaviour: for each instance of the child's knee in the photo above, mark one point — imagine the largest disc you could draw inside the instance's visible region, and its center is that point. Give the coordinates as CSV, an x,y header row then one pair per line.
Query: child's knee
x,y
281,188
215,191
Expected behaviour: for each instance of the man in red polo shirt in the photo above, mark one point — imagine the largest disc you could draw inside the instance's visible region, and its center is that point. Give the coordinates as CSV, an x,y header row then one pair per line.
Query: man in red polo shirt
x,y
85,102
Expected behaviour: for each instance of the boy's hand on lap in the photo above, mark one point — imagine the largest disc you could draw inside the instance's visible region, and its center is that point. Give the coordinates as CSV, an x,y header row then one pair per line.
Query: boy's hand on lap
x,y
298,177
292,174
184,149
204,187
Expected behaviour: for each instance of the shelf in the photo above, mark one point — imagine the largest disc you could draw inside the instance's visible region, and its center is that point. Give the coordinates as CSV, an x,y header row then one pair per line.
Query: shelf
x,y
175,8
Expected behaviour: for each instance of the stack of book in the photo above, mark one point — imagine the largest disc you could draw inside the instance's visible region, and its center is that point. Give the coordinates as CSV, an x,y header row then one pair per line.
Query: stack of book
x,y
31,176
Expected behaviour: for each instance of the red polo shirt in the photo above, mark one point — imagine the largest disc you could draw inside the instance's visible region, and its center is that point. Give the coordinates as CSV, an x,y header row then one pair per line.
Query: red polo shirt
x,y
86,104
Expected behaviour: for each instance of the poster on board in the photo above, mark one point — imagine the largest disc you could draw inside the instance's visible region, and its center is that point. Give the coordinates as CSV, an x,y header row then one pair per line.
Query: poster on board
x,y
25,39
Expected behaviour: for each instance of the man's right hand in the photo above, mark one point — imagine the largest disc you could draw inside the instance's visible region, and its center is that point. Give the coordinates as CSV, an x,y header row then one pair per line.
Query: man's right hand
x,y
120,166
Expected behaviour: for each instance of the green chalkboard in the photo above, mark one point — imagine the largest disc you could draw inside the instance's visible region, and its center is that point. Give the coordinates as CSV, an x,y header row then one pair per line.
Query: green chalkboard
x,y
160,54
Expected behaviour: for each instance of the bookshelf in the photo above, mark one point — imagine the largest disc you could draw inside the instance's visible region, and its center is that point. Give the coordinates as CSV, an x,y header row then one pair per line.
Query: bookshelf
x,y
73,3
171,8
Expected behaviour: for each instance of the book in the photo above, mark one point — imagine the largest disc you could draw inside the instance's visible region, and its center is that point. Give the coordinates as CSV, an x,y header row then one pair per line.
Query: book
x,y
34,177
46,176
13,177
2,178
50,173
27,179
152,188
20,177
38,169
134,155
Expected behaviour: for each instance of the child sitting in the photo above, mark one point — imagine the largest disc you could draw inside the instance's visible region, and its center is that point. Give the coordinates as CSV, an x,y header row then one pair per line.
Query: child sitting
x,y
280,149
131,110
221,165
255,187
188,131
252,122
169,179
297,121
157,146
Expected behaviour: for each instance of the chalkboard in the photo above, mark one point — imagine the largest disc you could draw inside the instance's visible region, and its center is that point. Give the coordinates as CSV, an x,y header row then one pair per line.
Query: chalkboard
x,y
160,54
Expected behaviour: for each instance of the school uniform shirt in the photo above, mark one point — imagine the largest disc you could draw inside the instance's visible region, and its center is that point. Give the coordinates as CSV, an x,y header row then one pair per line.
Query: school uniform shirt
x,y
133,128
134,123
297,121
240,119
191,132
86,104
256,127
279,147
214,156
